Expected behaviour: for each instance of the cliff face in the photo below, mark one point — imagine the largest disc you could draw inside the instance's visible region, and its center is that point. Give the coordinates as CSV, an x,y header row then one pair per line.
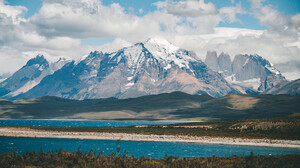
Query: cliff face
x,y
221,63
224,63
250,73
211,60
245,67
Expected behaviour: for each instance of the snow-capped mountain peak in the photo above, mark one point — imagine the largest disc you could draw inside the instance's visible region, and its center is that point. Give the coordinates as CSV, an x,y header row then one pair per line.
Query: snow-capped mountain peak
x,y
160,47
38,60
157,48
163,50
61,59
160,43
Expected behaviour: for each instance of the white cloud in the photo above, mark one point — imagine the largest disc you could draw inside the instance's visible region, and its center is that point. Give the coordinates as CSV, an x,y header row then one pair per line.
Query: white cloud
x,y
14,13
19,42
229,13
88,19
280,43
270,17
113,46
141,10
58,27
192,8
10,60
217,40
256,3
275,21
198,15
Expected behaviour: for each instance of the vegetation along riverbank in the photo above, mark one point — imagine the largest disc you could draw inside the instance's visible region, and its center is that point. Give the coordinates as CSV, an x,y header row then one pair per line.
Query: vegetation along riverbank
x,y
78,158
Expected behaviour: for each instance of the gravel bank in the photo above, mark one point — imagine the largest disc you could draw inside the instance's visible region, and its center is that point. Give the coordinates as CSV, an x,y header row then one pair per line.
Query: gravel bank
x,y
26,132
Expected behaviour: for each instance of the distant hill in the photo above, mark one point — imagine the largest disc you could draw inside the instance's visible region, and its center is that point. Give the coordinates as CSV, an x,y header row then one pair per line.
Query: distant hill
x,y
171,106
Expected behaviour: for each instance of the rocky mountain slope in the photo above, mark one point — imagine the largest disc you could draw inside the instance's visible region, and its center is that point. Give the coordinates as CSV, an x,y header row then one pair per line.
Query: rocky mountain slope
x,y
249,73
4,76
29,76
290,88
151,67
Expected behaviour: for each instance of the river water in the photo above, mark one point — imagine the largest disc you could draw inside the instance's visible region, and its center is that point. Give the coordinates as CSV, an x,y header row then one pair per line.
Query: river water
x,y
136,148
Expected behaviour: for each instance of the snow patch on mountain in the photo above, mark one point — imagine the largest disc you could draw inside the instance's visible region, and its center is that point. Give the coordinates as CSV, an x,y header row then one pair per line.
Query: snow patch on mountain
x,y
162,50
134,55
3,79
81,59
29,85
168,67
273,69
162,44
246,62
129,78
253,83
130,84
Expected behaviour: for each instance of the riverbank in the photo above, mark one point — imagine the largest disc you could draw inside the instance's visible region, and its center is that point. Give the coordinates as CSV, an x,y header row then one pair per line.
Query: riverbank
x,y
34,133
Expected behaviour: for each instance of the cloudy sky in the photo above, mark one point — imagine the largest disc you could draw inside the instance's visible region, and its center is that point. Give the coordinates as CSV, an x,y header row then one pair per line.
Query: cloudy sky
x,y
73,28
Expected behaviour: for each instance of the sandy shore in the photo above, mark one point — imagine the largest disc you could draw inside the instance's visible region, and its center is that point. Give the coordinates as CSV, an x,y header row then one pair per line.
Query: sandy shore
x,y
26,132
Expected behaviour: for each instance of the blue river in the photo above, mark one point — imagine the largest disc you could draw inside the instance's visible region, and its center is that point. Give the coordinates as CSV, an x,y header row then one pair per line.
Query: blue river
x,y
136,148
81,123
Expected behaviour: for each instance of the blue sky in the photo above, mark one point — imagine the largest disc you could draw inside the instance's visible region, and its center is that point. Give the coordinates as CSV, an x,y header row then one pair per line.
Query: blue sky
x,y
289,7
73,28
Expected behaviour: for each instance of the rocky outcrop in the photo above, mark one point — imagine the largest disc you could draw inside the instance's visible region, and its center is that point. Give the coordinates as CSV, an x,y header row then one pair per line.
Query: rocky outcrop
x,y
224,63
211,60
249,73
221,63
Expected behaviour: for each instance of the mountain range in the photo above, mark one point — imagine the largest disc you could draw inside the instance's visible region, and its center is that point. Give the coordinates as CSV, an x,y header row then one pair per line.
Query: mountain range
x,y
151,67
